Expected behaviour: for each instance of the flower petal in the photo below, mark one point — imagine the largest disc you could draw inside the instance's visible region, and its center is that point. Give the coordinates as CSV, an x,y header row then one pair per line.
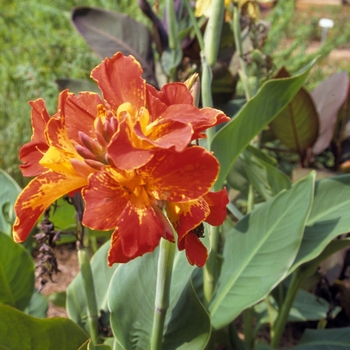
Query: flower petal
x,y
105,199
217,202
180,177
123,152
196,252
119,79
31,153
38,195
186,216
80,113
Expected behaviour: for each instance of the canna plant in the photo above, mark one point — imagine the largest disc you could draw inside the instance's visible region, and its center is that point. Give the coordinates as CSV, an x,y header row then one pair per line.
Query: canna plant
x,y
152,169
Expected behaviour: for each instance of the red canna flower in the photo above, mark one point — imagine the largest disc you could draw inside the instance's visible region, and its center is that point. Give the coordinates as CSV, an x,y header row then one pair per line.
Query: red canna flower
x,y
128,153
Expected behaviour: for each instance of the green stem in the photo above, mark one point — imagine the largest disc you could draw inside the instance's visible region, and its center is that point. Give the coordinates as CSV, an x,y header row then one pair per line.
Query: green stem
x,y
213,31
172,35
248,327
279,324
235,340
243,73
88,282
165,269
210,268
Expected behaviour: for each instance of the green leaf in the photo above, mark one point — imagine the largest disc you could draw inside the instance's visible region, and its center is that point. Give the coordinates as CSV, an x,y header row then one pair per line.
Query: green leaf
x,y
16,273
297,124
108,32
265,177
260,250
58,298
234,137
306,307
89,345
19,331
9,191
76,303
328,219
38,305
132,298
325,339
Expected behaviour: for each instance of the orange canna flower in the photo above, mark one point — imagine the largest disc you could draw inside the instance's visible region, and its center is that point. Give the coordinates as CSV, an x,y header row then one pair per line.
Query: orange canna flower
x,y
129,154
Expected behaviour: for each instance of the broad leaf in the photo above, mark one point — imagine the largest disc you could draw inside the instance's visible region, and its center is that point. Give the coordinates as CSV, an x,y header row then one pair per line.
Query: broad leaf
x,y
89,345
325,339
234,137
248,273
16,273
265,177
9,191
132,300
21,331
38,305
328,219
306,307
298,123
108,32
76,303
329,97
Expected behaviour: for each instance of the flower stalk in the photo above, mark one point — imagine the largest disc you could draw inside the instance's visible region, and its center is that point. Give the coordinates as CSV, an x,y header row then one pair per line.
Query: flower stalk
x,y
89,287
162,300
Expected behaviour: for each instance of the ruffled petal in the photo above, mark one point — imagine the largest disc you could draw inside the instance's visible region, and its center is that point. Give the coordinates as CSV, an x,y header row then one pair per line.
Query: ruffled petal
x,y
217,202
196,252
80,113
38,195
167,134
176,93
105,199
180,177
119,79
123,151
187,216
31,153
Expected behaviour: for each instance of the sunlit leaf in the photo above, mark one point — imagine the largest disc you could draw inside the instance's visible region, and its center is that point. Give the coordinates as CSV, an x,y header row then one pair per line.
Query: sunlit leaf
x,y
328,97
234,137
132,321
108,32
21,331
248,273
16,273
328,219
9,191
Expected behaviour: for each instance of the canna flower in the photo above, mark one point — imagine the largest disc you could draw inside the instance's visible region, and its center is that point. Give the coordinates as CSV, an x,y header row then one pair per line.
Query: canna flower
x,y
129,155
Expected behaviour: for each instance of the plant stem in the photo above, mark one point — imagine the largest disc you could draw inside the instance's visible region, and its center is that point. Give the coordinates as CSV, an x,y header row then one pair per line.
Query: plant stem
x,y
278,326
213,31
165,269
243,73
172,34
248,327
88,282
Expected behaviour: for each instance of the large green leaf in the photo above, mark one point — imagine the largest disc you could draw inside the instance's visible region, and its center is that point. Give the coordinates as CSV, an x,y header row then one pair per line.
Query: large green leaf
x,y
76,302
260,250
132,299
298,123
16,273
328,219
19,331
325,339
234,137
108,32
9,191
38,305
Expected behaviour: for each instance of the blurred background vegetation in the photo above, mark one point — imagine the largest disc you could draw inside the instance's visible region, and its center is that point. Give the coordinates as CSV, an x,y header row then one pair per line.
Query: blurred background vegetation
x,y
39,44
